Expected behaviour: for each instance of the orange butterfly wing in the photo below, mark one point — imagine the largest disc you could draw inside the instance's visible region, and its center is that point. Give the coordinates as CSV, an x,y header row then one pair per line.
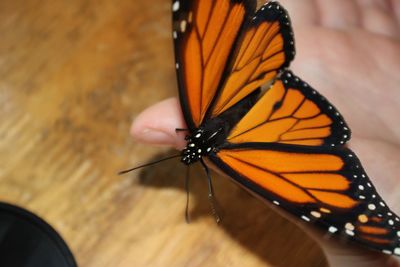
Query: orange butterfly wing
x,y
291,112
223,53
204,34
324,185
288,148
265,47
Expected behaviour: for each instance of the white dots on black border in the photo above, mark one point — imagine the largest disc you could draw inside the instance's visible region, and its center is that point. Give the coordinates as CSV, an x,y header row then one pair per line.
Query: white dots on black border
x,y
350,233
175,6
371,207
349,226
316,214
305,218
177,65
332,229
183,25
175,34
276,202
388,252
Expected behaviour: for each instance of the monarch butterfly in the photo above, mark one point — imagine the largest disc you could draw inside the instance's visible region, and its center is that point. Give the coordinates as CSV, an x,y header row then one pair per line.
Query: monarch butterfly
x,y
256,121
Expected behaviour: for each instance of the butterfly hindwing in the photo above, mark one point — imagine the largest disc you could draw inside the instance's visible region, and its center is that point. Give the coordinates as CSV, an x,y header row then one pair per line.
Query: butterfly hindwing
x,y
324,185
292,112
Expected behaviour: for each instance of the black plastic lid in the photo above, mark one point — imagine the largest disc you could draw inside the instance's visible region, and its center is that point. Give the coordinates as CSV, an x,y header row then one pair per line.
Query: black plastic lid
x,y
28,241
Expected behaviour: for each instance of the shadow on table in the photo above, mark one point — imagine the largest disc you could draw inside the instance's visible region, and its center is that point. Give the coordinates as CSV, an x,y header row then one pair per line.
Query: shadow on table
x,y
245,218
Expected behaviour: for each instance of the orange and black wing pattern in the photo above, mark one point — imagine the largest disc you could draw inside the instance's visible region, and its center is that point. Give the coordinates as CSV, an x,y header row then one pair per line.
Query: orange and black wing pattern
x,y
265,47
224,51
292,112
323,185
285,143
204,35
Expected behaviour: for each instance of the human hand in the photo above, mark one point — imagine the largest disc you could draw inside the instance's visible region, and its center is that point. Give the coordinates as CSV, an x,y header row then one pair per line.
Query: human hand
x,y
349,51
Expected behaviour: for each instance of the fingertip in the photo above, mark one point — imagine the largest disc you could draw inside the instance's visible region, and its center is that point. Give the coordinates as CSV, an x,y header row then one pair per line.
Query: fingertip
x,y
157,124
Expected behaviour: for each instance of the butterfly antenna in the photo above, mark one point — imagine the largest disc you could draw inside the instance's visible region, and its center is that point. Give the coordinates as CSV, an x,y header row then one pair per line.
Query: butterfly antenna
x,y
148,164
187,215
211,197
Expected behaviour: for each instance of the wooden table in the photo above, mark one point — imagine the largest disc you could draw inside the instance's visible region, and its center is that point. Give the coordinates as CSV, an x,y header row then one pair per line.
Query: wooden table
x,y
73,75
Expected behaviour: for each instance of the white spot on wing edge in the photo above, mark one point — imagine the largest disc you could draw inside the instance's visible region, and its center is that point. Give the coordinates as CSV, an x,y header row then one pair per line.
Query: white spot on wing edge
x,y
175,6
350,233
387,252
349,226
332,229
305,218
316,214
183,25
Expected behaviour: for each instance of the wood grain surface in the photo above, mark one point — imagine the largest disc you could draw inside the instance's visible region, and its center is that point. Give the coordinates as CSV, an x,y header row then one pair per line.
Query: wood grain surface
x,y
73,75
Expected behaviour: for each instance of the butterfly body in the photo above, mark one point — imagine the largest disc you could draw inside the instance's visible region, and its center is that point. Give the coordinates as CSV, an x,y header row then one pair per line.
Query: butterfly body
x,y
212,134
199,144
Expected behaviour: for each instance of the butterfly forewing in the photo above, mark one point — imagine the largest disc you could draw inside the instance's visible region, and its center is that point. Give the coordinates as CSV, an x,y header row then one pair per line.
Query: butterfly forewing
x,y
265,47
204,34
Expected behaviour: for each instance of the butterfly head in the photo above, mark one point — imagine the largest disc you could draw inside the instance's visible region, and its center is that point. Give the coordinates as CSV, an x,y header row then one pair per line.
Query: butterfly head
x,y
196,147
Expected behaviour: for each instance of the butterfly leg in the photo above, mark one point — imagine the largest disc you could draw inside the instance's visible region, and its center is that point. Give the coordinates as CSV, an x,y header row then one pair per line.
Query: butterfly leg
x,y
177,130
211,197
187,215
